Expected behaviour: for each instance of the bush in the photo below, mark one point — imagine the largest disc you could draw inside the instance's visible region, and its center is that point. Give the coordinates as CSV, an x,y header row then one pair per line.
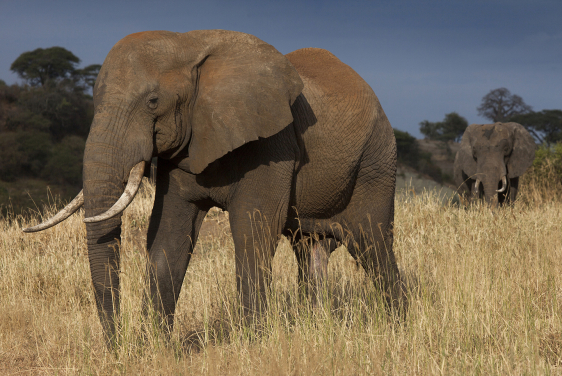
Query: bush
x,y
25,120
410,154
10,93
407,148
63,110
11,157
37,148
543,181
65,164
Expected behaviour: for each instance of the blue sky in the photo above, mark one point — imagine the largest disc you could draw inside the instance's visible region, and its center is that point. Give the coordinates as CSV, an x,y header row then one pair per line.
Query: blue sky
x,y
422,58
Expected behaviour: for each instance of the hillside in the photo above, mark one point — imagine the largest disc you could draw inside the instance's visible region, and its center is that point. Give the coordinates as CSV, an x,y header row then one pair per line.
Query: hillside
x,y
437,158
442,153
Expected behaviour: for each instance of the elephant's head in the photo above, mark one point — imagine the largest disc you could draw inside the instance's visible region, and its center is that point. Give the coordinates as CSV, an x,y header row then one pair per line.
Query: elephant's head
x,y
490,154
193,96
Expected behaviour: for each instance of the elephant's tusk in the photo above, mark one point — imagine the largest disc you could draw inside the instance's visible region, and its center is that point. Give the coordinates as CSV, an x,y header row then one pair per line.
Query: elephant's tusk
x,y
66,212
476,185
504,185
133,184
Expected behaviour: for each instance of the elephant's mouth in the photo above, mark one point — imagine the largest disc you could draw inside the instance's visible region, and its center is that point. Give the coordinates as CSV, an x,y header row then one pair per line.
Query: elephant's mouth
x,y
133,184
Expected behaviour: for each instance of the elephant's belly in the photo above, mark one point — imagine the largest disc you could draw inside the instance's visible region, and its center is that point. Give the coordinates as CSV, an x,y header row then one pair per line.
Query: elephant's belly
x,y
319,196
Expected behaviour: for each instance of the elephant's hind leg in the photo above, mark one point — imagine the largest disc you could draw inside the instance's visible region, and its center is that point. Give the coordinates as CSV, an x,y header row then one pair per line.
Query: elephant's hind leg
x,y
372,248
370,215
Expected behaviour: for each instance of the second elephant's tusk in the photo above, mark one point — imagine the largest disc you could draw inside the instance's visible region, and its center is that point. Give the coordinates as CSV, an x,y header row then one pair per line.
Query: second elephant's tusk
x,y
504,185
66,212
133,184
476,186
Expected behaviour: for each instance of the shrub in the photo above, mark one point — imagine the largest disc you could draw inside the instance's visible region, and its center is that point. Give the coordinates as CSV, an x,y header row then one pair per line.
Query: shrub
x,y
406,148
37,148
543,181
409,153
65,164
11,157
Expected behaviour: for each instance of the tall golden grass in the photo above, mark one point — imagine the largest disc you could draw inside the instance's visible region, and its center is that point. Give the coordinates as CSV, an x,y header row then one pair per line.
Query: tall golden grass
x,y
484,289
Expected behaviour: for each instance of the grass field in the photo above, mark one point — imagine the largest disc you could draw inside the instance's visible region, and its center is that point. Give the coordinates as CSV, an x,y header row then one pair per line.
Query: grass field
x,y
484,288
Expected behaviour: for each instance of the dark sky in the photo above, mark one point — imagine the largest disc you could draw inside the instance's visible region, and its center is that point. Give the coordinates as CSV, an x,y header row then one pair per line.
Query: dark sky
x,y
422,58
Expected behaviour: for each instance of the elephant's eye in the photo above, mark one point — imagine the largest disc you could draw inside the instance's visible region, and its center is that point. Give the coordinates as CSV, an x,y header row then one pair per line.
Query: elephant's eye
x,y
153,102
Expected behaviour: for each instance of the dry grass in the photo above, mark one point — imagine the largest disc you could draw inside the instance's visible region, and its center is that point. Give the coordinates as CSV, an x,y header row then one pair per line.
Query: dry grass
x,y
484,291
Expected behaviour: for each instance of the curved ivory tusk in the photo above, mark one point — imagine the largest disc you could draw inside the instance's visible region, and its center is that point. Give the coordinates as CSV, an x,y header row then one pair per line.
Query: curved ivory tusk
x,y
476,185
504,185
133,184
66,212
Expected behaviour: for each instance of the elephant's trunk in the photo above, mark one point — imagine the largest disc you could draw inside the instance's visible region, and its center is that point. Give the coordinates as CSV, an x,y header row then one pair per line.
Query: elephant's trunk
x,y
490,187
102,188
106,158
491,180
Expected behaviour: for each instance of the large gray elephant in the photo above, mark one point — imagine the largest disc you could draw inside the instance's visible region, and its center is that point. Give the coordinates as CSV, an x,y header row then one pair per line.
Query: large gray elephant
x,y
491,159
296,145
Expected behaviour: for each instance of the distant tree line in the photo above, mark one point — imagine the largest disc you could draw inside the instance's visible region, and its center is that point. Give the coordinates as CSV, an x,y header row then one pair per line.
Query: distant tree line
x,y
44,121
499,105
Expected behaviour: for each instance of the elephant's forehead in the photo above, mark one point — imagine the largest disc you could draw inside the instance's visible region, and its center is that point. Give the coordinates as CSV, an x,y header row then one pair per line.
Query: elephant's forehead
x,y
493,132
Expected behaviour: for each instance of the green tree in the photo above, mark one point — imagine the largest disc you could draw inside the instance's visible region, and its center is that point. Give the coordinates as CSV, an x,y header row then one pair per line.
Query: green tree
x,y
39,66
407,148
36,149
89,74
58,108
501,105
11,157
545,125
65,164
451,128
409,153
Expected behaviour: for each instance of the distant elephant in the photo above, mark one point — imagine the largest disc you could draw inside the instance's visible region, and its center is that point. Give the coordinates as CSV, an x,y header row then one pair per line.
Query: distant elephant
x,y
490,160
295,145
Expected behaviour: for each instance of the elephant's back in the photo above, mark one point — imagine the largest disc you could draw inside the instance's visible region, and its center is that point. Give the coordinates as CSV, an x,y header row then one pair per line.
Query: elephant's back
x,y
340,123
344,105
329,73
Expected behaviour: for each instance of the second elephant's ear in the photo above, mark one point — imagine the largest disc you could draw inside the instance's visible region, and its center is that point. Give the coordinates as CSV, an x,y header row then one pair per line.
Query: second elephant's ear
x,y
465,157
245,91
523,152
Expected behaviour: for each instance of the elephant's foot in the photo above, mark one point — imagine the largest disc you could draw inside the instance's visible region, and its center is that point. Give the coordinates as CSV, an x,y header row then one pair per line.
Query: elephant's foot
x,y
395,292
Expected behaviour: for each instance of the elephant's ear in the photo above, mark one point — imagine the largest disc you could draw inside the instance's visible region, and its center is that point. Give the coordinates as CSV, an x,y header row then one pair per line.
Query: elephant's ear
x,y
245,92
523,152
465,159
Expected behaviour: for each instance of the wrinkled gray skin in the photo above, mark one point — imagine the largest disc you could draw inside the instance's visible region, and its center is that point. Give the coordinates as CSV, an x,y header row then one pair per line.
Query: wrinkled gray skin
x,y
237,125
488,153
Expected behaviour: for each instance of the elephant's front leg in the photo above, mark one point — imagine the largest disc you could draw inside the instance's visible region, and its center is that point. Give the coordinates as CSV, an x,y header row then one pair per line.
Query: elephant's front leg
x,y
513,188
172,234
